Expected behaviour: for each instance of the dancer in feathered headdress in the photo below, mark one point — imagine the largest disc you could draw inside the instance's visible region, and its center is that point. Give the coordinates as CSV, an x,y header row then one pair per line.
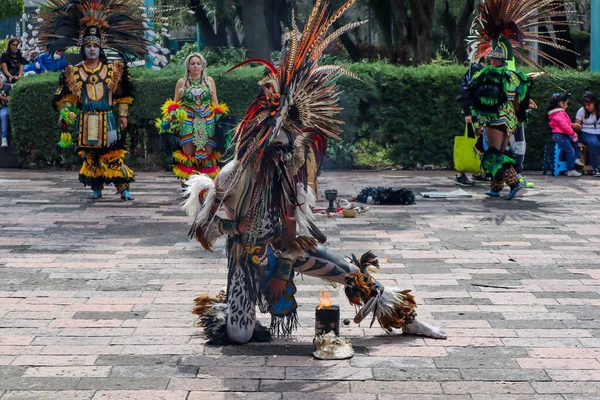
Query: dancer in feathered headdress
x,y
514,20
499,94
267,203
89,90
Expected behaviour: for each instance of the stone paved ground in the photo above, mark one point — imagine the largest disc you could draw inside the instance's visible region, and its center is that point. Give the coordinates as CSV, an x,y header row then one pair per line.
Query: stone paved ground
x,y
95,297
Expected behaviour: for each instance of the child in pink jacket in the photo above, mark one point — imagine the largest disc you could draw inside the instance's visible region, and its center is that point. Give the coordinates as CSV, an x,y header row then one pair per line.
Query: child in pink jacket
x,y
562,131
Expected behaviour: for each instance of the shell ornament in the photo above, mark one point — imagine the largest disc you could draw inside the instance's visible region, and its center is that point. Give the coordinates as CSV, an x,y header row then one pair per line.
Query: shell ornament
x,y
331,347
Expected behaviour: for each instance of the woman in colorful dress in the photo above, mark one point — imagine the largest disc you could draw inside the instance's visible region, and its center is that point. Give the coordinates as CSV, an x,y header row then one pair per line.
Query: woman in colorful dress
x,y
193,114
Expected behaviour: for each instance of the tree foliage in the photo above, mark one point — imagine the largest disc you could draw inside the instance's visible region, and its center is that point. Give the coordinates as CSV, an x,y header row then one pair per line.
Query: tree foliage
x,y
11,8
408,32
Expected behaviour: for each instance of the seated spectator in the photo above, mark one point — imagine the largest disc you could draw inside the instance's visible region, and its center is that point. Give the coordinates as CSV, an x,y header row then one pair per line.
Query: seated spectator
x,y
31,56
47,62
587,122
12,61
4,93
562,130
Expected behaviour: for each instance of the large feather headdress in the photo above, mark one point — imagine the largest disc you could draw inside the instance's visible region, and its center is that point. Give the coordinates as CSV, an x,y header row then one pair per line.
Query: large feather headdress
x,y
117,24
297,93
516,20
298,101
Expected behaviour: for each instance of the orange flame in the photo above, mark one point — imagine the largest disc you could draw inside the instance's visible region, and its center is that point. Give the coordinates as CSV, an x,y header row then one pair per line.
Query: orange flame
x,y
324,300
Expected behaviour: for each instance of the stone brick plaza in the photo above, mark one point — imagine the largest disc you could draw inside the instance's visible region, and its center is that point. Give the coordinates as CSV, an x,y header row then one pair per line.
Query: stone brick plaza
x,y
95,296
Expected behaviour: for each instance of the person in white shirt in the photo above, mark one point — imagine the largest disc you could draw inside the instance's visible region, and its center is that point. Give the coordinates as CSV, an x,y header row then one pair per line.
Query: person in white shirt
x,y
587,122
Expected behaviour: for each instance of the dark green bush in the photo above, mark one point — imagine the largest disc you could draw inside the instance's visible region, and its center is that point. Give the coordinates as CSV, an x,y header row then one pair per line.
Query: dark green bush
x,y
403,116
34,121
414,117
414,114
225,56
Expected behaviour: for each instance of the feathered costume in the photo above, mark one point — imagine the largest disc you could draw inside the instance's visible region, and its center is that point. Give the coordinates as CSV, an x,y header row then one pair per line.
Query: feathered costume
x,y
266,199
500,96
383,195
513,19
86,97
194,120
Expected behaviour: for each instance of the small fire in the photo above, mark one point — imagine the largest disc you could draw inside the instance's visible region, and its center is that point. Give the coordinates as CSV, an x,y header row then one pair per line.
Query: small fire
x,y
324,300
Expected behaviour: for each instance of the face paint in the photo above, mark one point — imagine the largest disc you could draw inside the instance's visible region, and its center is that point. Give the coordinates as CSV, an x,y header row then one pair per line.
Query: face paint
x,y
88,51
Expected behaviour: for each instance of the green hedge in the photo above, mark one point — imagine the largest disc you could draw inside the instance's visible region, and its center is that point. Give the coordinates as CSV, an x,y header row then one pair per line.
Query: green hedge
x,y
415,118
34,121
407,115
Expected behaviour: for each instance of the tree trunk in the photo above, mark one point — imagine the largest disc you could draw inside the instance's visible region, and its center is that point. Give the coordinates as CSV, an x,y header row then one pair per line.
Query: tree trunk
x,y
380,15
275,14
422,15
447,21
240,15
238,10
209,37
564,32
462,30
349,45
256,39
232,35
222,33
401,21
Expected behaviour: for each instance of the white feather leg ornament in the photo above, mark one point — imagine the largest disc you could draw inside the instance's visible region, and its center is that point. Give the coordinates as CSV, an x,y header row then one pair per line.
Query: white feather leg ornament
x,y
197,185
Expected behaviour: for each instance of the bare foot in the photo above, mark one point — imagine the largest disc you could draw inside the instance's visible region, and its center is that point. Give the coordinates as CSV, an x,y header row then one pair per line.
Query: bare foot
x,y
423,329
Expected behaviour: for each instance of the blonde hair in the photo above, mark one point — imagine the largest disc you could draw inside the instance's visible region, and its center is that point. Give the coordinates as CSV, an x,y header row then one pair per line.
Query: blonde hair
x,y
187,79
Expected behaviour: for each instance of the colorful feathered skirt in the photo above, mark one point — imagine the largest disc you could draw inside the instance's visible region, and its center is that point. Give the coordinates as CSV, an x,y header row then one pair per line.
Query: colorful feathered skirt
x,y
185,165
506,120
104,166
199,129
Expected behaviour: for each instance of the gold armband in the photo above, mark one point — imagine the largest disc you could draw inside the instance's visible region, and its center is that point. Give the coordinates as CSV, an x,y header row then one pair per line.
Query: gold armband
x,y
66,101
123,109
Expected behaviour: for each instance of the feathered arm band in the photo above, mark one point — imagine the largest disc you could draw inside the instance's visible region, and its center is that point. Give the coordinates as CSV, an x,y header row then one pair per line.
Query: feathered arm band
x,y
523,94
66,140
206,227
124,100
123,104
65,101
220,109
69,114
173,114
173,108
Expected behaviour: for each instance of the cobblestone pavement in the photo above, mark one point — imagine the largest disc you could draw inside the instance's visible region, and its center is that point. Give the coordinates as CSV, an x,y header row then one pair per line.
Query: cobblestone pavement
x,y
95,297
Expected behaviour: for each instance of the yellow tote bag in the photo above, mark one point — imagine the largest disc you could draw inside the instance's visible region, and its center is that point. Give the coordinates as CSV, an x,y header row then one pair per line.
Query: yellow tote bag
x,y
465,155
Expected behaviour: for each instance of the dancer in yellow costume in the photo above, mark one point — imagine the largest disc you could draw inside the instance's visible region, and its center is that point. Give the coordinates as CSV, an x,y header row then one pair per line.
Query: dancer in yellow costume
x,y
89,91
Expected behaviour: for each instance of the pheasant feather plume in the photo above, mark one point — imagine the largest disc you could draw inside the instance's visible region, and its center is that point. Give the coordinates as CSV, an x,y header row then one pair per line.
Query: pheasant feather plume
x,y
515,20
